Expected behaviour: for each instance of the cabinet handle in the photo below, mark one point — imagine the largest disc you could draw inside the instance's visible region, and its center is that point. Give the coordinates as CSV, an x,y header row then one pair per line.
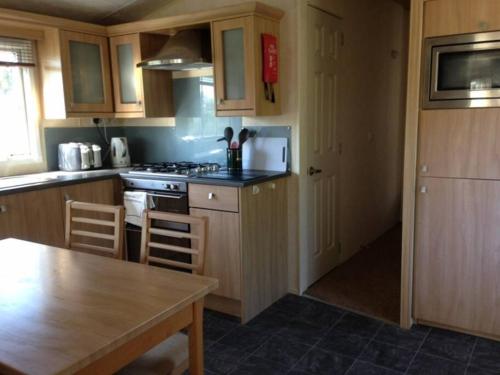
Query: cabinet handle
x,y
312,171
255,190
424,169
139,102
272,186
211,196
423,189
220,101
3,208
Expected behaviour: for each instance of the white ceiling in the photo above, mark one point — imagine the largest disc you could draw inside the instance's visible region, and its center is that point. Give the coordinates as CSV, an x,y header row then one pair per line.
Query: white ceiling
x,y
104,12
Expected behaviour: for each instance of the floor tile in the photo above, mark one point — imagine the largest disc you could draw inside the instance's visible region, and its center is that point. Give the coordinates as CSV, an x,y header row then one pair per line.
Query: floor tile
x,y
320,314
259,366
218,366
343,343
486,355
450,345
281,350
302,332
359,325
292,304
479,371
244,338
388,356
424,364
408,339
271,320
226,353
365,368
217,325
319,362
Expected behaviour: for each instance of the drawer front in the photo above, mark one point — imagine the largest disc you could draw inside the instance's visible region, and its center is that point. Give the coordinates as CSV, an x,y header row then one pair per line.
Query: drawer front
x,y
220,198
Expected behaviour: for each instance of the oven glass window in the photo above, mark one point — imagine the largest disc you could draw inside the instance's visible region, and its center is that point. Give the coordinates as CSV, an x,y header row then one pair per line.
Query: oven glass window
x,y
471,70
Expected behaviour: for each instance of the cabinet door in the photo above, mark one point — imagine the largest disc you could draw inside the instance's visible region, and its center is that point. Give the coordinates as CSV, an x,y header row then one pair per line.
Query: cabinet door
x,y
457,254
92,192
43,217
86,73
460,143
449,17
127,78
264,242
233,63
223,259
11,217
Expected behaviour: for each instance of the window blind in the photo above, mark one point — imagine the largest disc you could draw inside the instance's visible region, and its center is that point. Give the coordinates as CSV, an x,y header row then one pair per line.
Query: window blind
x,y
16,52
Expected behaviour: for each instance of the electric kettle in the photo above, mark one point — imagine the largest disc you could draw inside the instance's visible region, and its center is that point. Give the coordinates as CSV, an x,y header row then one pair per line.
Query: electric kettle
x,y
120,157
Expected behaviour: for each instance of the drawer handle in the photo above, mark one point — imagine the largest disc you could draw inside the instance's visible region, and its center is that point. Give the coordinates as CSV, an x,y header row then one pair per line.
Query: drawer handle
x,y
211,196
3,208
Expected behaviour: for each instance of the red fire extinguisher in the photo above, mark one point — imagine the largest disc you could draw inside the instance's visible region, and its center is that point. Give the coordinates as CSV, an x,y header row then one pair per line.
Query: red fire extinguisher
x,y
270,65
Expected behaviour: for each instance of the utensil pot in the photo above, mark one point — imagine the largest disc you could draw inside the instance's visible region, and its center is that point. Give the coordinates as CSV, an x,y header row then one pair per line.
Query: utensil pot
x,y
234,160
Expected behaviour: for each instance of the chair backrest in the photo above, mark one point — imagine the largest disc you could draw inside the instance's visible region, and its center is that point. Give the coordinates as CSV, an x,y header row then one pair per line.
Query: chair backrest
x,y
197,237
98,228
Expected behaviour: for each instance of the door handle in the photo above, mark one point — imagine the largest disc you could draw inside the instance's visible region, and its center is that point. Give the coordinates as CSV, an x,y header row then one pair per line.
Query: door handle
x,y
313,171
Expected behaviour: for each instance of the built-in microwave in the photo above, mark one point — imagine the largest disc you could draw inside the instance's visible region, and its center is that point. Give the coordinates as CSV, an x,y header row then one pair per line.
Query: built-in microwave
x,y
462,71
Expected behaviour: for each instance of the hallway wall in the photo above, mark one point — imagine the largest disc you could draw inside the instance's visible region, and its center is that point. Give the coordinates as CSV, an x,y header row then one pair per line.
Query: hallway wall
x,y
371,120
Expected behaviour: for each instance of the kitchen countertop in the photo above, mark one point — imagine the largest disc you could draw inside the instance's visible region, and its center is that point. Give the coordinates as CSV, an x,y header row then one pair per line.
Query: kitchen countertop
x,y
23,183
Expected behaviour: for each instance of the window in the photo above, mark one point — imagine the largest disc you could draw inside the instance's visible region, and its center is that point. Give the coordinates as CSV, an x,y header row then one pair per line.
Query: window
x,y
20,149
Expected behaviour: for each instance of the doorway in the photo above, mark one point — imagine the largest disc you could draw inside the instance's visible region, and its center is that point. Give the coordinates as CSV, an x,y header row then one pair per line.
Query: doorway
x,y
351,247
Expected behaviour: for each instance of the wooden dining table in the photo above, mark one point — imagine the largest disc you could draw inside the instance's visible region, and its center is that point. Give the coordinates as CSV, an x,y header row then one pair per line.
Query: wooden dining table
x,y
65,312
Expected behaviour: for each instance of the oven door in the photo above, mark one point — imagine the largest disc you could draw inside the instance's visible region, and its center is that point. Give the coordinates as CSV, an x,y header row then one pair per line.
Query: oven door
x,y
163,202
462,72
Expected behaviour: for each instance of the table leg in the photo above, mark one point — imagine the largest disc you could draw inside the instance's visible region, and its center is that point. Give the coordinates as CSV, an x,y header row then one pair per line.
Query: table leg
x,y
195,332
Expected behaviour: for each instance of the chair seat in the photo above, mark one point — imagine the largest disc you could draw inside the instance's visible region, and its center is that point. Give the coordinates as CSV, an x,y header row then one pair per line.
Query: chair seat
x,y
169,357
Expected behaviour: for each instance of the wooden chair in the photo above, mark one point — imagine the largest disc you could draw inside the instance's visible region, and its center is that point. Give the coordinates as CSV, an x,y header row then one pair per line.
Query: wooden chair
x,y
96,227
172,355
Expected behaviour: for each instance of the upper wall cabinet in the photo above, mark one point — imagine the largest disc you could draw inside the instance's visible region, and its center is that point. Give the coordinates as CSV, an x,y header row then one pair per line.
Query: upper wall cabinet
x,y
238,67
139,92
449,17
86,73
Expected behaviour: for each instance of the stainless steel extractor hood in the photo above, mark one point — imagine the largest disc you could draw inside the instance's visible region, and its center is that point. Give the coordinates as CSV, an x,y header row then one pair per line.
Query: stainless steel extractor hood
x,y
186,50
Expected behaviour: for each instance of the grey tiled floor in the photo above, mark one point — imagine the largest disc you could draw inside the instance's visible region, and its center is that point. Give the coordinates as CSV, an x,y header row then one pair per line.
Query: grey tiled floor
x,y
299,336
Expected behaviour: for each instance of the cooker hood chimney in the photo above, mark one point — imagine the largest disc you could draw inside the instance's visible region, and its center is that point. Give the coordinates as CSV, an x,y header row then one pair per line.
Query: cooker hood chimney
x,y
186,50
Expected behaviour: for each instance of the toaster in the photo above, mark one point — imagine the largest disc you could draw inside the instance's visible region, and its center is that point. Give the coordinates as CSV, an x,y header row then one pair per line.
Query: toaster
x,y
79,156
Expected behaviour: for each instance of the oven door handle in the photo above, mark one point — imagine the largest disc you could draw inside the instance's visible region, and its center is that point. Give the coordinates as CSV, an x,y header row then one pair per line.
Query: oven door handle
x,y
165,196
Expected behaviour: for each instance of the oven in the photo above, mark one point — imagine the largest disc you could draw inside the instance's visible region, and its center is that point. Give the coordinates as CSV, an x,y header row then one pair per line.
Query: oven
x,y
165,196
462,71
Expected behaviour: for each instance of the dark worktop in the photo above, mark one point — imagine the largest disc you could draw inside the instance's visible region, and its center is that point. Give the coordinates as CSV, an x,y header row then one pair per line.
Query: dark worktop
x,y
24,183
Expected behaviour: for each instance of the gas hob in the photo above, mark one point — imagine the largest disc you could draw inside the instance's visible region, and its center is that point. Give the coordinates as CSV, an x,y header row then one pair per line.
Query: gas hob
x,y
174,169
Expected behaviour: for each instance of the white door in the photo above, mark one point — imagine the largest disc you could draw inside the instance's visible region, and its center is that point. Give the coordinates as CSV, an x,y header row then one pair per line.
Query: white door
x,y
324,42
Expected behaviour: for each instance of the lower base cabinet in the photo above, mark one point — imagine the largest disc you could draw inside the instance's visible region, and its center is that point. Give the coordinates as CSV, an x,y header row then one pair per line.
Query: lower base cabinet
x,y
247,249
457,255
38,215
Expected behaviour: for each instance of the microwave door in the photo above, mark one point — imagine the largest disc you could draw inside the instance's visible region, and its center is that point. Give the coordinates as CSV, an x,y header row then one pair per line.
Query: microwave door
x,y
462,75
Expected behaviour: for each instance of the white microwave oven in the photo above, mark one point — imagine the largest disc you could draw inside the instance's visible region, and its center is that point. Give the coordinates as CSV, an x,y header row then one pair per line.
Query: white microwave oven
x,y
462,71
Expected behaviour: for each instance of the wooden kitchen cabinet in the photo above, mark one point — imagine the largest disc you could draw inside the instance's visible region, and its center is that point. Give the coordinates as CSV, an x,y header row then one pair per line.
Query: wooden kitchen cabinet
x,y
38,215
237,55
247,244
140,92
449,17
43,217
457,255
223,259
12,222
86,73
460,143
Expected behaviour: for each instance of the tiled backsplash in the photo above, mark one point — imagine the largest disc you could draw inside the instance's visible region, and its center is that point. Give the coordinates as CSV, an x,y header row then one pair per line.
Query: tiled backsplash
x,y
194,138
